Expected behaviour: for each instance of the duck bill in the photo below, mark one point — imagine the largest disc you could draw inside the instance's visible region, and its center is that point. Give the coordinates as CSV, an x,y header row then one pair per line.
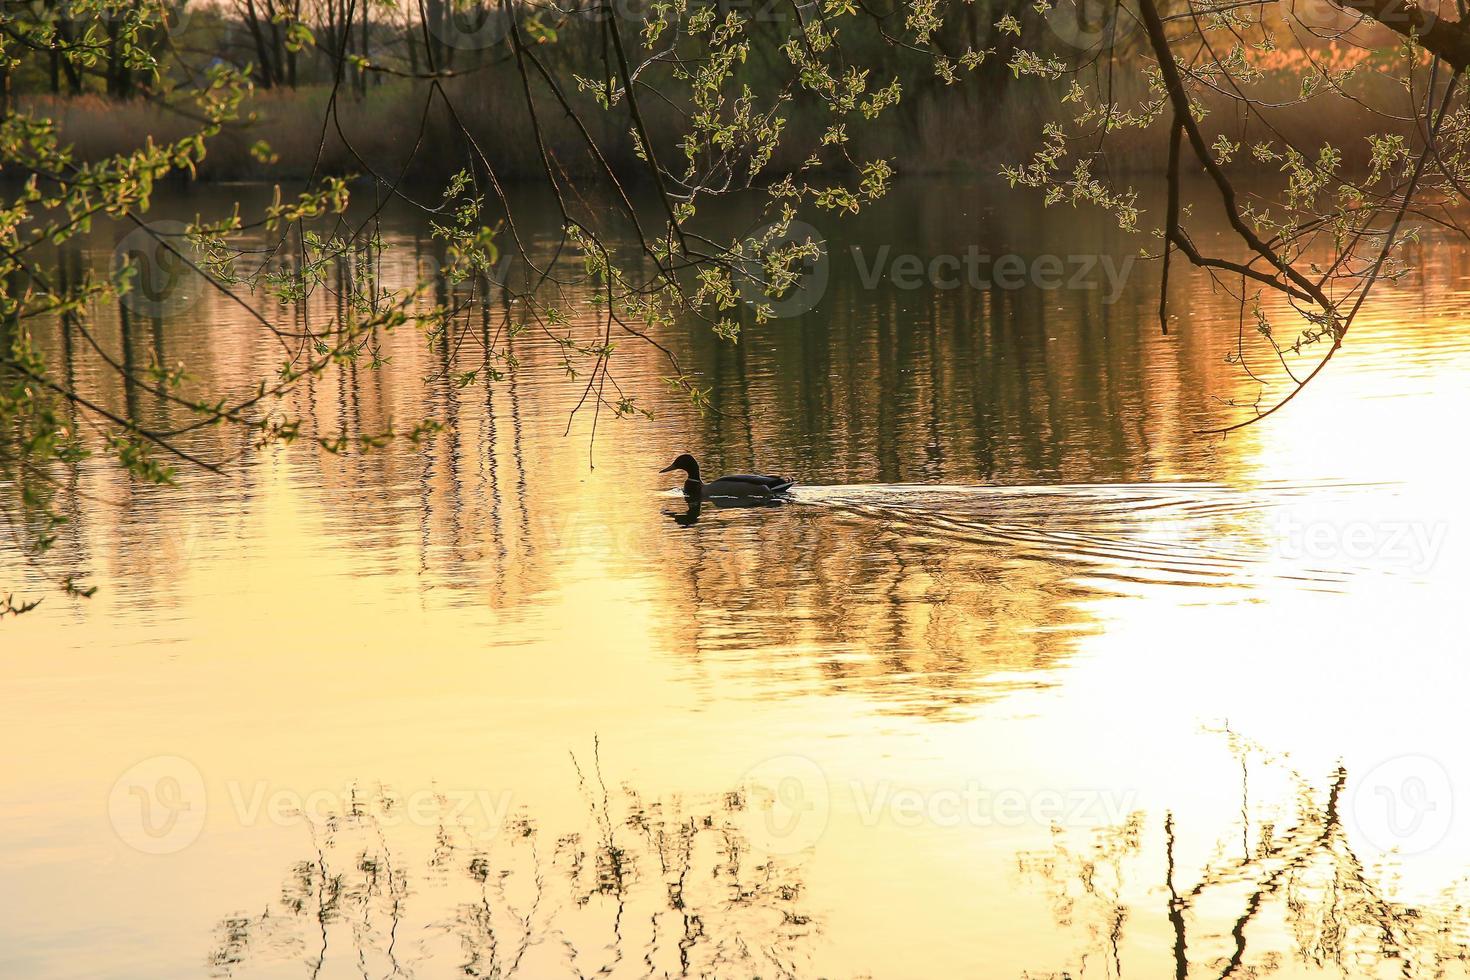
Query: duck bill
x,y
668,469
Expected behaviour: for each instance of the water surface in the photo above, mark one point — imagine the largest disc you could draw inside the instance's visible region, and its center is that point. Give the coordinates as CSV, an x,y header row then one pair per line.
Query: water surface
x,y
1029,679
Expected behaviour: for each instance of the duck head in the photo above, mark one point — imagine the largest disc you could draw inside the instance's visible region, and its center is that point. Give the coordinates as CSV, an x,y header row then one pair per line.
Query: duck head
x,y
686,463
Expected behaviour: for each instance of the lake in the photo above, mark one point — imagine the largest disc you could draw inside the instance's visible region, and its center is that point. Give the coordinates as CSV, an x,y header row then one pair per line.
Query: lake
x,y
1029,679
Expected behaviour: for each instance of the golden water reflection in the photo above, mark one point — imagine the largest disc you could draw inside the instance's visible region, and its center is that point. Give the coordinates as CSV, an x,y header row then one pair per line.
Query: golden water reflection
x,y
665,888
1284,892
646,888
1011,563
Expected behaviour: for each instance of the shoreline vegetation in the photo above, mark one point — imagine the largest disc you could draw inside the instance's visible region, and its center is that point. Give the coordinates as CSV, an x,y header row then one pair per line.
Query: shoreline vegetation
x,y
386,119
783,112
280,131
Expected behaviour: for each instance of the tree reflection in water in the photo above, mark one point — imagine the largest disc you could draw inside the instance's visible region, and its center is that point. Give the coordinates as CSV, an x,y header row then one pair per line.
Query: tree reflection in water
x,y
648,887
1283,892
655,887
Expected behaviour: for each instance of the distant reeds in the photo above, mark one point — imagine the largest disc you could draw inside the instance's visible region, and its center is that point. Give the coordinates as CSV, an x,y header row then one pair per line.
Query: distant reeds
x,y
971,127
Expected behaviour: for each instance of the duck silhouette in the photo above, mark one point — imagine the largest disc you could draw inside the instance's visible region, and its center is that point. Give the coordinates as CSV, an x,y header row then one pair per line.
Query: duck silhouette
x,y
745,485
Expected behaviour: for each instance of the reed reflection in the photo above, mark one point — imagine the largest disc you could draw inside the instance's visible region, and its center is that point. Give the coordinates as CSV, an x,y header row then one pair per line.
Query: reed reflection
x,y
506,503
999,492
644,887
1282,890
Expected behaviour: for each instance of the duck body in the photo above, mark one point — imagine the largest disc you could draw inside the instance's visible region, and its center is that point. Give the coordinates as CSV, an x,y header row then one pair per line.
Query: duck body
x,y
743,485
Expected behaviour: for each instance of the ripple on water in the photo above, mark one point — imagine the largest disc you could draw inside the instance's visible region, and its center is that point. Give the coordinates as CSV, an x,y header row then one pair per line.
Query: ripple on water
x,y
925,599
1183,534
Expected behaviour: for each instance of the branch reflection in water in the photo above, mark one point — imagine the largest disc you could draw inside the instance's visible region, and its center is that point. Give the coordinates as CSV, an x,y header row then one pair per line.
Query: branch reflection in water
x,y
668,887
1283,892
647,887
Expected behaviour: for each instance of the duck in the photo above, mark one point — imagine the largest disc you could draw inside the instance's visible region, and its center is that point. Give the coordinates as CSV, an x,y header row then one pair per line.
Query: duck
x,y
747,485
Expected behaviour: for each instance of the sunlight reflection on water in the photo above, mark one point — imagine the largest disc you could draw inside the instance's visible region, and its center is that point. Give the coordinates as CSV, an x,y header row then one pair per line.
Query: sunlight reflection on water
x,y
1011,572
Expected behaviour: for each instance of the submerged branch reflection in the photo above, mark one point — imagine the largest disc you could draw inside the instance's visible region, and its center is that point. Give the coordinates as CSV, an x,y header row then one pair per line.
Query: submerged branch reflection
x,y
1282,890
644,887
